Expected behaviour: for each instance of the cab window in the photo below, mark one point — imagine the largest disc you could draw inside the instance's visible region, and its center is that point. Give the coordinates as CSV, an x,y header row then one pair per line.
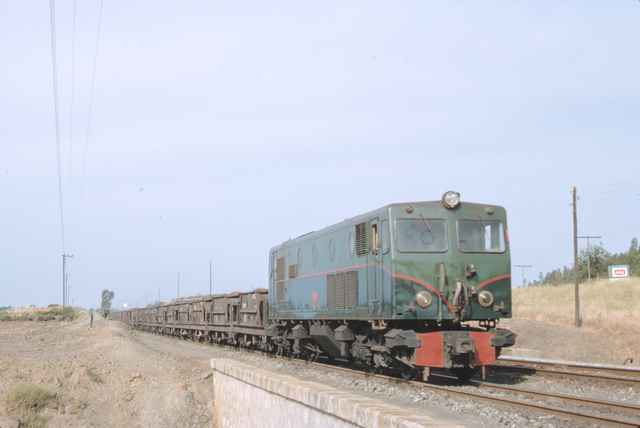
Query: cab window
x,y
481,236
421,235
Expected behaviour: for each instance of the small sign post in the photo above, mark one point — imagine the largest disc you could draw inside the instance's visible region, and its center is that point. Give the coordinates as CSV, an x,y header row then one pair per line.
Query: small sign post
x,y
618,272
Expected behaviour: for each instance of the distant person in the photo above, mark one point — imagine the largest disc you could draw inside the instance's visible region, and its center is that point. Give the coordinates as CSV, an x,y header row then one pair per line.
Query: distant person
x,y
91,315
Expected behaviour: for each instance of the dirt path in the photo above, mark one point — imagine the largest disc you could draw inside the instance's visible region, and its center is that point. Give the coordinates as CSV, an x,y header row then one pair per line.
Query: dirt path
x,y
105,376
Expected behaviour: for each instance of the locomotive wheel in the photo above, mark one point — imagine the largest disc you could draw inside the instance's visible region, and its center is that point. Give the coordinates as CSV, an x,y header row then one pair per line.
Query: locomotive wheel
x,y
464,373
409,374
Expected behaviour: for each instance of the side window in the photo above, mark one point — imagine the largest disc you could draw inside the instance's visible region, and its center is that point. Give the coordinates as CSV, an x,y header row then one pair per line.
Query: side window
x,y
384,235
273,265
314,255
332,249
375,239
300,255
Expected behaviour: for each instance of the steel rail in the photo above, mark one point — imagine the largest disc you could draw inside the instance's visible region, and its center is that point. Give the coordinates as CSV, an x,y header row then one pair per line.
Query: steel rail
x,y
609,420
569,373
582,371
576,364
631,408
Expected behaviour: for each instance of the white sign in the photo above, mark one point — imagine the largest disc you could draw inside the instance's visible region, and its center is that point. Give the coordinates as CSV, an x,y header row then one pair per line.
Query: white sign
x,y
618,271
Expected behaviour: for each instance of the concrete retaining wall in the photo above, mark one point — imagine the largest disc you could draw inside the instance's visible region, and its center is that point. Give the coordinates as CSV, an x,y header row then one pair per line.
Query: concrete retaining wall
x,y
247,396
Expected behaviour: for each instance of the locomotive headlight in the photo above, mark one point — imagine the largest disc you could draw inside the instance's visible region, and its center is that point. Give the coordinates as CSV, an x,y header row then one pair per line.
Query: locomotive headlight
x,y
485,298
424,299
451,199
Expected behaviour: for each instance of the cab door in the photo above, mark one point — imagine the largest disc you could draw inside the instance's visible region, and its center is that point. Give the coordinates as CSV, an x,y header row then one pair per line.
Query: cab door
x,y
374,267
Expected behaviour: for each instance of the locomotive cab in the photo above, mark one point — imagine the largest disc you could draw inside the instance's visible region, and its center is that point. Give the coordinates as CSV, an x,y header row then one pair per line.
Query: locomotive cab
x,y
450,264
451,270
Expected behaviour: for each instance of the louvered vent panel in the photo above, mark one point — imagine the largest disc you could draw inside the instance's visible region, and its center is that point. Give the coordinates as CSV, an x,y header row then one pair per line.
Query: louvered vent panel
x,y
331,291
280,291
280,269
351,288
340,289
293,271
280,279
361,242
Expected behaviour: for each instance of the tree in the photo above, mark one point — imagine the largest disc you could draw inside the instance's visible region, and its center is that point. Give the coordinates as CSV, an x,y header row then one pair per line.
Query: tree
x,y
598,258
634,246
105,304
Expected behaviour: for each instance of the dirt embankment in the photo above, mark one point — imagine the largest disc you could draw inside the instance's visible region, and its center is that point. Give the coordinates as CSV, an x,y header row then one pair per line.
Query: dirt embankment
x,y
100,377
544,321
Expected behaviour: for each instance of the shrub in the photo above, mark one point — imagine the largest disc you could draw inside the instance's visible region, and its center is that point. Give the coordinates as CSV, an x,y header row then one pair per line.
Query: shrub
x,y
27,399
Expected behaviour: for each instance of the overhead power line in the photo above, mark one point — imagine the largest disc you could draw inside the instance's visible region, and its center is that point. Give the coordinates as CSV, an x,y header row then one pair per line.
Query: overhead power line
x,y
589,238
92,91
73,68
54,70
524,274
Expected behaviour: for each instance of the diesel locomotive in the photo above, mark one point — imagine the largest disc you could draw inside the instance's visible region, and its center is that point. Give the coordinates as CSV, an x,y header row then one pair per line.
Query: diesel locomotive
x,y
407,287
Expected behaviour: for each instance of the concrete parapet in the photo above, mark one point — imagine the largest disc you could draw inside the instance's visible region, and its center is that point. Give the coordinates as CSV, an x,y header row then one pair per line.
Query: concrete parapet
x,y
248,396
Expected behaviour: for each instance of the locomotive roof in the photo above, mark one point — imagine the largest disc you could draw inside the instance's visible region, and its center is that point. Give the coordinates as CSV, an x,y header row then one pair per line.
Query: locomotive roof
x,y
369,214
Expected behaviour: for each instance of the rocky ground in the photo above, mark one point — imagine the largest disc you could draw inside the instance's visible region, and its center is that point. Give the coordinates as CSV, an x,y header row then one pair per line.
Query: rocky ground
x,y
112,376
101,377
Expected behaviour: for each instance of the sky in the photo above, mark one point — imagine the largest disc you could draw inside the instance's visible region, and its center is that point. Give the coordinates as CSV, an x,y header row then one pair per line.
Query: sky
x,y
220,129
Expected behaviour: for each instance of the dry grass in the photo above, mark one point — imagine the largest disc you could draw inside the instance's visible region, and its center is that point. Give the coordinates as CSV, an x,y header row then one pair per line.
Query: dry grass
x,y
610,314
26,401
39,314
614,304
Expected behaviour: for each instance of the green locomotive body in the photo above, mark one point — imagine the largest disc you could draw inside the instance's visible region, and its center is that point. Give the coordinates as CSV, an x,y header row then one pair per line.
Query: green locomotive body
x,y
406,261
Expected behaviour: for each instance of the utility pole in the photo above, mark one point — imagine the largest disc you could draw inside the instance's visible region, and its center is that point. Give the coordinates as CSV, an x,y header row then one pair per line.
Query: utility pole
x,y
211,277
589,238
178,285
576,290
65,279
524,277
159,300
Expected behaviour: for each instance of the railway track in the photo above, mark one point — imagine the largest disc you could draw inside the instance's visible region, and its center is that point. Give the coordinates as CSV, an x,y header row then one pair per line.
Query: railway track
x,y
568,369
566,406
600,412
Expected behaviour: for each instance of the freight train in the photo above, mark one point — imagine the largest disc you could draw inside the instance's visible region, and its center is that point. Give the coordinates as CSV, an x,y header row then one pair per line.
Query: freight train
x,y
408,287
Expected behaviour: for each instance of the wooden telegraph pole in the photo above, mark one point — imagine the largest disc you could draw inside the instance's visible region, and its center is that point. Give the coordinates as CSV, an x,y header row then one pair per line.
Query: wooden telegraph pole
x,y
178,284
524,275
65,280
574,197
211,277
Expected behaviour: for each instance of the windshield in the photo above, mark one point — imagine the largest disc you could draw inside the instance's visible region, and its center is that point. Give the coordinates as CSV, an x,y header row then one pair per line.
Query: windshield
x,y
421,235
481,236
